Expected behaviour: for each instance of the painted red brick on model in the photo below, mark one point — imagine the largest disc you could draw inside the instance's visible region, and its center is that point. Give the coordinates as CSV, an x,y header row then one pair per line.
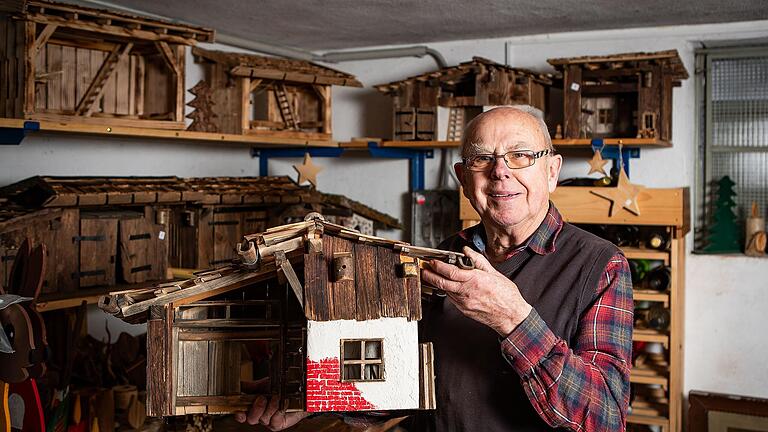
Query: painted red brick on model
x,y
326,392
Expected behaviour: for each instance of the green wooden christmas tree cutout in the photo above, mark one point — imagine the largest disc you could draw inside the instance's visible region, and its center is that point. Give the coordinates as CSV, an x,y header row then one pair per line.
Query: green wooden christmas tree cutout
x,y
724,234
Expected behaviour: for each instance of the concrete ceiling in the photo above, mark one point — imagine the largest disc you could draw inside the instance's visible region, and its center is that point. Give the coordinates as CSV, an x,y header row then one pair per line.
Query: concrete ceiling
x,y
315,25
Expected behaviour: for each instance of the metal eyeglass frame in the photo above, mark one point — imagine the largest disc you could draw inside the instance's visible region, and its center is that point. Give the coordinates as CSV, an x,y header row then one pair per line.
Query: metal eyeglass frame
x,y
533,156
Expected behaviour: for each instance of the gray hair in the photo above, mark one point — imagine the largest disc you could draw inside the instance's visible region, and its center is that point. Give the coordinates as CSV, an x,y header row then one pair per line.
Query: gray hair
x,y
470,144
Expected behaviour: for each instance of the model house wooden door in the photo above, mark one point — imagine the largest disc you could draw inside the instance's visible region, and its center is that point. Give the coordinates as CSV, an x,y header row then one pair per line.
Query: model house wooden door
x,y
415,124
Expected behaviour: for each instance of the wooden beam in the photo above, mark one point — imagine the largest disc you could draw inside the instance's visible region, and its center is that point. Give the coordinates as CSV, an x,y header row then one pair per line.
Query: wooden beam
x,y
170,59
109,29
245,104
44,36
255,83
95,90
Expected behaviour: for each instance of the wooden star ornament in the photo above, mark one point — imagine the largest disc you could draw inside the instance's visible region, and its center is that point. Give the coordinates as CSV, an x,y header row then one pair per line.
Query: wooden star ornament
x,y
307,170
597,164
624,195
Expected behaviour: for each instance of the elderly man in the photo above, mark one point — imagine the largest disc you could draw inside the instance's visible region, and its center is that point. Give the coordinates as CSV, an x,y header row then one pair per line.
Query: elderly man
x,y
539,334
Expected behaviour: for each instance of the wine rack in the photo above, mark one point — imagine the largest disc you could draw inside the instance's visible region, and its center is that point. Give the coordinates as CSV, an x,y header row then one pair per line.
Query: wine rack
x,y
657,371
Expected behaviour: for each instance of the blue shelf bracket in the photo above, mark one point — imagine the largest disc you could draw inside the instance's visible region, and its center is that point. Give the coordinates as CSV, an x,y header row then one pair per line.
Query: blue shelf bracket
x,y
416,157
14,136
265,154
612,152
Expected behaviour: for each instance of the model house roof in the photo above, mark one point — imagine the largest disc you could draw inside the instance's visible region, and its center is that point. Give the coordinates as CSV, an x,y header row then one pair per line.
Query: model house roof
x,y
119,24
377,289
454,74
255,66
43,192
669,58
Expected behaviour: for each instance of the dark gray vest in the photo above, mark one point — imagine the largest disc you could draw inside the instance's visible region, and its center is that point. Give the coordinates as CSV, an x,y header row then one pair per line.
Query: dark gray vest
x,y
477,390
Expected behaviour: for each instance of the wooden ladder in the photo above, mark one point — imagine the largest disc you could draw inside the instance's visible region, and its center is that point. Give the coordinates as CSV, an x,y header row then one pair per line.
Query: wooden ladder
x,y
285,106
87,103
455,124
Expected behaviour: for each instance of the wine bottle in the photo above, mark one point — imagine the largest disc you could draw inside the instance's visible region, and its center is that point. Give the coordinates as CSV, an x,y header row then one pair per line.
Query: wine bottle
x,y
623,235
654,238
655,317
639,269
658,317
658,279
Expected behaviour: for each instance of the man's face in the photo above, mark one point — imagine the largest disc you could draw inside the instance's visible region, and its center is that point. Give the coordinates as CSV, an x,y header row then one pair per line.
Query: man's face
x,y
510,199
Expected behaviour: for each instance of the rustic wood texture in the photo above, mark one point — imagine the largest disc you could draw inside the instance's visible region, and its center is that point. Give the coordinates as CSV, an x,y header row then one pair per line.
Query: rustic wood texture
x,y
367,293
98,250
193,368
254,66
413,292
343,302
205,239
159,374
226,234
317,301
572,102
143,254
394,295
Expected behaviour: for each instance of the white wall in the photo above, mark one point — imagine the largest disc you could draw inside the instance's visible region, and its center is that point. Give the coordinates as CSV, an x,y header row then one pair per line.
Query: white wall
x,y
400,347
725,299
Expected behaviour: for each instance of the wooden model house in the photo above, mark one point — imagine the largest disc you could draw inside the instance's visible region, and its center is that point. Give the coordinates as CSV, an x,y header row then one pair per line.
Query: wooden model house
x,y
105,231
322,316
435,106
619,96
82,65
270,96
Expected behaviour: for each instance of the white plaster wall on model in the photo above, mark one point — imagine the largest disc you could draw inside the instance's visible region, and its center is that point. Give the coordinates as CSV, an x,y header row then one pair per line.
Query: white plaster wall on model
x,y
400,389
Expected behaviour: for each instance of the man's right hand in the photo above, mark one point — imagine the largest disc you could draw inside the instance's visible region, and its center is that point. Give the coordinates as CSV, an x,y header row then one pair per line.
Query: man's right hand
x,y
267,413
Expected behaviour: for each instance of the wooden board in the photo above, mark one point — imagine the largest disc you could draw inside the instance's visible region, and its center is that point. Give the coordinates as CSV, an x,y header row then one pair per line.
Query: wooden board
x,y
192,368
343,303
143,253
394,296
98,249
203,222
572,101
159,374
227,232
366,282
317,302
224,358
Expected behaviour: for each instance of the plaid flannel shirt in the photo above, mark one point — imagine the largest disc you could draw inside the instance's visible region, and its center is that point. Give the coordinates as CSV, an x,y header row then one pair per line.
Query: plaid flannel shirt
x,y
584,385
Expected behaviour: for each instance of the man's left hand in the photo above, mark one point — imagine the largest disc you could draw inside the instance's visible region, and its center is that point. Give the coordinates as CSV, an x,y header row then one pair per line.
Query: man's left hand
x,y
483,294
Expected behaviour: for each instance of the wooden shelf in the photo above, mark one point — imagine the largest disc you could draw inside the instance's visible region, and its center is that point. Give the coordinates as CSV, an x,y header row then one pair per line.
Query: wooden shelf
x,y
648,335
650,295
649,254
633,142
401,144
645,375
648,420
102,130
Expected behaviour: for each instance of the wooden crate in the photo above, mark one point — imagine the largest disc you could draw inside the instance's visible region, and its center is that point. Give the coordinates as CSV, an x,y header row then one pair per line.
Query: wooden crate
x,y
83,65
57,229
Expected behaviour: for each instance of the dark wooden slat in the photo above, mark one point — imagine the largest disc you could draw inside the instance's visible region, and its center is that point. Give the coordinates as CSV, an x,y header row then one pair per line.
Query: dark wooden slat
x,y
342,293
366,283
394,299
316,302
572,101
204,237
63,258
413,289
159,375
97,251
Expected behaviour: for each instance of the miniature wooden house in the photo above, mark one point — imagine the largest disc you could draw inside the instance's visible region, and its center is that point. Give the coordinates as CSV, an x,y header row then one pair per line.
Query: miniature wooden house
x,y
619,96
76,64
322,316
269,96
437,105
103,231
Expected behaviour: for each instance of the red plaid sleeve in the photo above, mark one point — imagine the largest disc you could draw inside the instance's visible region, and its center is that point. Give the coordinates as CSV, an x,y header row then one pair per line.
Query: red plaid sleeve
x,y
584,387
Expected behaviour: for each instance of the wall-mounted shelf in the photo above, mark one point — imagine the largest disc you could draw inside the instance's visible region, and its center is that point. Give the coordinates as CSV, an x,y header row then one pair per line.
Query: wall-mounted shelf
x,y
629,142
12,126
402,144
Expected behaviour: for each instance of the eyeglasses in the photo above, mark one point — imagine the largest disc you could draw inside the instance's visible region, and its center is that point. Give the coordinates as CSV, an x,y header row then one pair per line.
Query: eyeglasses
x,y
515,159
